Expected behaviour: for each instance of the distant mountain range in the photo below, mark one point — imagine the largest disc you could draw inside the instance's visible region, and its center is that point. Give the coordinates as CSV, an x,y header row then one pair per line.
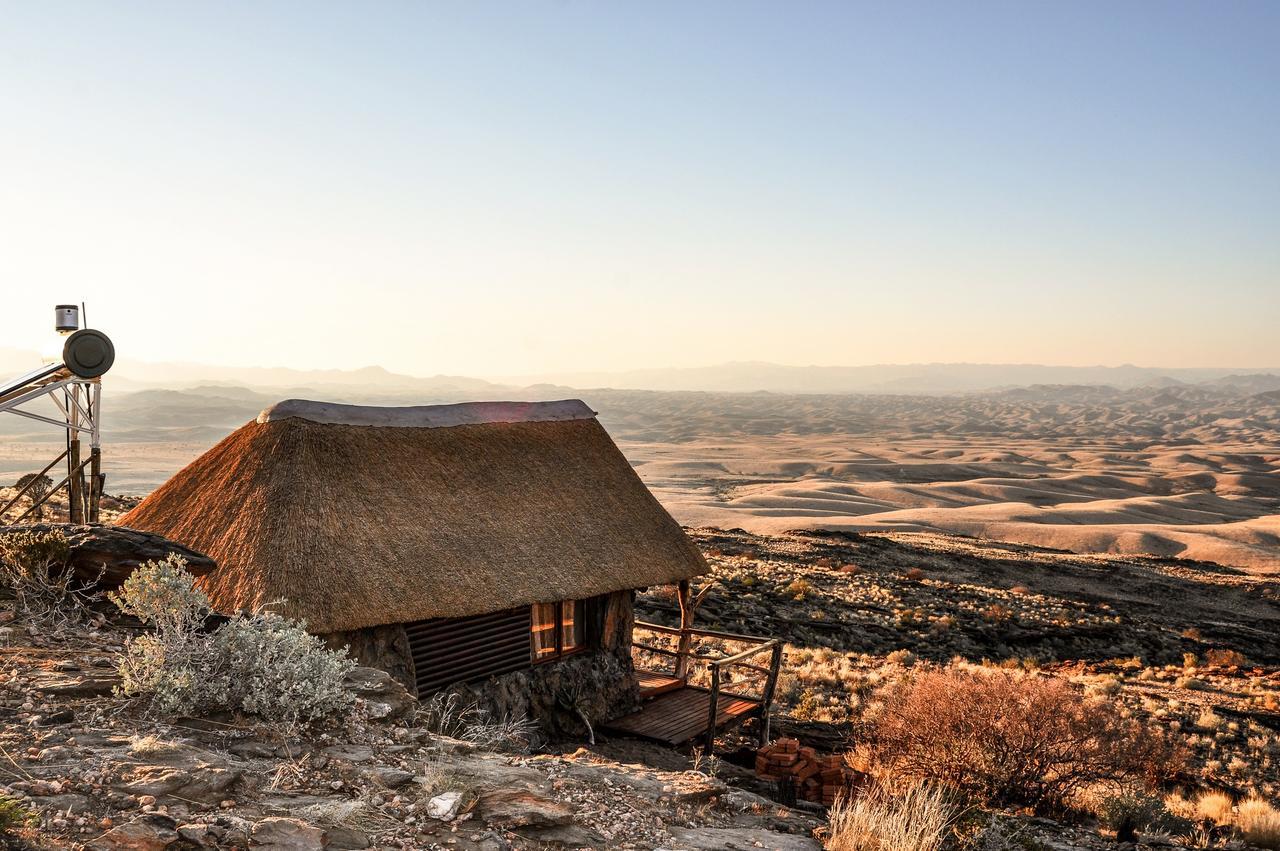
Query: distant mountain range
x,y
737,377
930,378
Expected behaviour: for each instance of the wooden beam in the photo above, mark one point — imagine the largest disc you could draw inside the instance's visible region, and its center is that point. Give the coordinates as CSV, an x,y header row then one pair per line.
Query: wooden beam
x,y
686,624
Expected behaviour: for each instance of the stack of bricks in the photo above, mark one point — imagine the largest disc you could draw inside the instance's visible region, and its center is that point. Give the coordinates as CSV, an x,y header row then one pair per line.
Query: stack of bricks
x,y
816,778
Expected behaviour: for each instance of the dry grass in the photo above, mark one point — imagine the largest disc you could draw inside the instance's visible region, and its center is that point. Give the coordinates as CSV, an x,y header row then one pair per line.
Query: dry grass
x,y
915,819
1259,821
1214,806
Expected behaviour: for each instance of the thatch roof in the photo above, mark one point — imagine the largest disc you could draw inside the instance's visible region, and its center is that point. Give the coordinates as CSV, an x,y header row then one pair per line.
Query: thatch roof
x,y
360,516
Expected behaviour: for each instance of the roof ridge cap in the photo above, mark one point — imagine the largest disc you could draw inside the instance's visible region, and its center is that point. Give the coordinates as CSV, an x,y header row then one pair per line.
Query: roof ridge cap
x,y
427,416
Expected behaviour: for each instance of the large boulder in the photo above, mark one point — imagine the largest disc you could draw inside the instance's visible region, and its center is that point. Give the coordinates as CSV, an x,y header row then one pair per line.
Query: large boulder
x,y
114,551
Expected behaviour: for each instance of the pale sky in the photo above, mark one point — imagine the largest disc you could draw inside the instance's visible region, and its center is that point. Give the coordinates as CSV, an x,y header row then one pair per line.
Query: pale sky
x,y
530,187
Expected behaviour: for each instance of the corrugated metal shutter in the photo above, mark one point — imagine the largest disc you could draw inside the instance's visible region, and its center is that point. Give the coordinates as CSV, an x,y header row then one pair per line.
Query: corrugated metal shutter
x,y
457,650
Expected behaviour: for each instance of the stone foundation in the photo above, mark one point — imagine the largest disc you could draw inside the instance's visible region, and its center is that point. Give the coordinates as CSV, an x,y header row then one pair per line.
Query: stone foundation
x,y
598,683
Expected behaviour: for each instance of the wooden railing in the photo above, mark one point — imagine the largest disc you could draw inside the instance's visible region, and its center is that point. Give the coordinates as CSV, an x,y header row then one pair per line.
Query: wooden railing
x,y
684,657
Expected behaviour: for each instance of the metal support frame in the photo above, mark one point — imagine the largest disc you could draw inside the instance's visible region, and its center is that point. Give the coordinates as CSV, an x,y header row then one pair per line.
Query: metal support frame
x,y
79,400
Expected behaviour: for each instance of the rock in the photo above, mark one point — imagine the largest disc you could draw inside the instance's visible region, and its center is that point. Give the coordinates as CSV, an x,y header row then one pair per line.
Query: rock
x,y
724,838
522,808
68,802
386,697
97,684
741,801
56,718
183,771
44,788
150,832
341,838
445,807
286,834
114,551
350,753
198,834
391,778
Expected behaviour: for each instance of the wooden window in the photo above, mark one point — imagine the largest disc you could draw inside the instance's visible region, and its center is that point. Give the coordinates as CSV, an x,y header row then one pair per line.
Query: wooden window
x,y
558,629
458,650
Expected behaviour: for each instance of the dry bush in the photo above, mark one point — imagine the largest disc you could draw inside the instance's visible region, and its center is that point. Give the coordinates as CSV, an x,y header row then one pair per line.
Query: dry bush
x,y
33,565
1004,737
1225,659
1259,821
997,613
915,819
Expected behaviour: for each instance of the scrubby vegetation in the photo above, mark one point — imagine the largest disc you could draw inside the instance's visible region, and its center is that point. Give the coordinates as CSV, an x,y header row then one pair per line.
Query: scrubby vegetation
x,y
14,817
33,568
917,818
1009,738
1115,695
260,664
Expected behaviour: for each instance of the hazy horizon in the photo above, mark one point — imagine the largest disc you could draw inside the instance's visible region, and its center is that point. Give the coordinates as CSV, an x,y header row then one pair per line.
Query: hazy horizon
x,y
545,188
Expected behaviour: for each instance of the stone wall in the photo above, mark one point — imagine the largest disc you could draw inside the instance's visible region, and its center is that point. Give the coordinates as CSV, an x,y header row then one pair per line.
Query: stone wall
x,y
598,683
385,647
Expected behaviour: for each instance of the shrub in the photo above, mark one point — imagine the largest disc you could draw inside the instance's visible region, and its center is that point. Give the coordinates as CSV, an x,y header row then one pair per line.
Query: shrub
x,y
1003,835
1225,659
799,589
275,669
261,664
13,817
1004,737
446,715
175,666
33,565
916,819
997,614
902,657
1132,813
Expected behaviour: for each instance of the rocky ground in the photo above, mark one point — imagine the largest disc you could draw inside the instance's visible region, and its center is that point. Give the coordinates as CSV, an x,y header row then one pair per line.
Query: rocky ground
x,y
99,775
1189,646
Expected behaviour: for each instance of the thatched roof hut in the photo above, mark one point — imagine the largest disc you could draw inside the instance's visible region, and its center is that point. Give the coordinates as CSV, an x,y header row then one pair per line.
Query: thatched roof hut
x,y
359,516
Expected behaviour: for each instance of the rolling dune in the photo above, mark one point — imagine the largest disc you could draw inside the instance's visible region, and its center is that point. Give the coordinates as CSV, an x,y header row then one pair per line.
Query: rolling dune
x,y
1167,473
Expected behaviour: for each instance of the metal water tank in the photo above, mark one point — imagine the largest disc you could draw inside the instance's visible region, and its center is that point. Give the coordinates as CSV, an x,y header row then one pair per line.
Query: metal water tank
x,y
66,318
88,353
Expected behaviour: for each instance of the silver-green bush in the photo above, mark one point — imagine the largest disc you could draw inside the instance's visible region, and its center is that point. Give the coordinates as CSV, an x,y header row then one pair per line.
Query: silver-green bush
x,y
261,664
275,669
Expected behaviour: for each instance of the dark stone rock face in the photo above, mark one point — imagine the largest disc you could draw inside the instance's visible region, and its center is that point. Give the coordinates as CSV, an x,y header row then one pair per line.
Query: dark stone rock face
x,y
385,647
115,551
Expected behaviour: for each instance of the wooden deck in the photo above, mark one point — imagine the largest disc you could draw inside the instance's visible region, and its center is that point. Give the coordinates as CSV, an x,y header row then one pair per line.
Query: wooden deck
x,y
679,713
653,683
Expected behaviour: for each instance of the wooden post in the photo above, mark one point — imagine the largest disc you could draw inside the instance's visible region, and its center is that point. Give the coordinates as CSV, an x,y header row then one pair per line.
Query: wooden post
x,y
76,481
712,711
95,482
686,623
766,699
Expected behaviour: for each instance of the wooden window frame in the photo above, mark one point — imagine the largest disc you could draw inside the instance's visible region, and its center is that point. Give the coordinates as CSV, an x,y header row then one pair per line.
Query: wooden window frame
x,y
560,652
